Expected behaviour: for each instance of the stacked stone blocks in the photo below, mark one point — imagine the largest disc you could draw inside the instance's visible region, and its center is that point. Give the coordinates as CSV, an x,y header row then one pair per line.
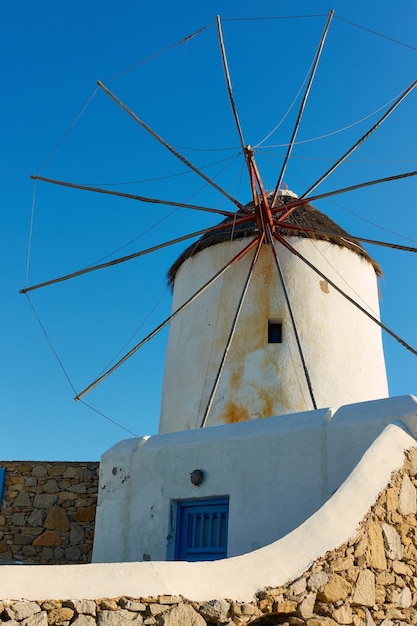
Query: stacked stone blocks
x,y
48,512
371,580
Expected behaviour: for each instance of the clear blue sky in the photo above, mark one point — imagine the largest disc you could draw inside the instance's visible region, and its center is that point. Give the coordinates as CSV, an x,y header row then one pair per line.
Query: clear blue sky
x,y
52,53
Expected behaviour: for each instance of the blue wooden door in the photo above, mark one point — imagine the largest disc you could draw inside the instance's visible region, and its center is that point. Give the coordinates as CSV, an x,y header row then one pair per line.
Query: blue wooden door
x,y
2,479
202,530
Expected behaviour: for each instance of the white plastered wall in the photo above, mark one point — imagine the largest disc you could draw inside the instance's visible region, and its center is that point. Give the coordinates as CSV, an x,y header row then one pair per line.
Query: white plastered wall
x,y
277,472
342,346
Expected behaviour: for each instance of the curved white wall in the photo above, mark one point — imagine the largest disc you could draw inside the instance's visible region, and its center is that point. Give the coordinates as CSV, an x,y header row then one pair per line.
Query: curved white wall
x,y
276,472
342,346
238,578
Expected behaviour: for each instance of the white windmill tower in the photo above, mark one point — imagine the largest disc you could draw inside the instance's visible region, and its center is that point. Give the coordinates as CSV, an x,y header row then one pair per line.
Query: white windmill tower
x,y
298,344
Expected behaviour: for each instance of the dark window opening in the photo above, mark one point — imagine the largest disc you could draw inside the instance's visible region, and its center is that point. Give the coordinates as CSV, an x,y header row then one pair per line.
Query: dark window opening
x,y
274,332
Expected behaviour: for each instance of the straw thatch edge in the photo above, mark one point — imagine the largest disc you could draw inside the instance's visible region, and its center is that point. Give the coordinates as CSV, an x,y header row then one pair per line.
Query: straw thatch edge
x,y
304,216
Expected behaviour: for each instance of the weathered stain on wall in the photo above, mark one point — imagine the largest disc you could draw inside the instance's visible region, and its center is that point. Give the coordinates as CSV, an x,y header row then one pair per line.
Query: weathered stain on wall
x,y
324,286
234,413
48,512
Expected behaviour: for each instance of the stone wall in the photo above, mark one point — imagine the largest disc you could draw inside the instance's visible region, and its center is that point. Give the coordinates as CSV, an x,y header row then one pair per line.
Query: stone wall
x,y
369,581
48,512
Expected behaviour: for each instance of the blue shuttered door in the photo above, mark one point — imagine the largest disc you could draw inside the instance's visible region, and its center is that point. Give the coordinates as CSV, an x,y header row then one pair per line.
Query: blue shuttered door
x,y
202,530
2,479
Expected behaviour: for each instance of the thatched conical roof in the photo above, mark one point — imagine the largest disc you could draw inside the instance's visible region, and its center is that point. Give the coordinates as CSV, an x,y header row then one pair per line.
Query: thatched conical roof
x,y
304,216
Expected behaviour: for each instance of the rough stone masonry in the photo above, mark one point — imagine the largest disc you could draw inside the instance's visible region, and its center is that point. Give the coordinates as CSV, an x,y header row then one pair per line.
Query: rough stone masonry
x,y
369,581
48,512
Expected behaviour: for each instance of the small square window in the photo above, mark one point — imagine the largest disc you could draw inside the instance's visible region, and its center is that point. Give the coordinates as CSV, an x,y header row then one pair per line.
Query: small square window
x,y
274,332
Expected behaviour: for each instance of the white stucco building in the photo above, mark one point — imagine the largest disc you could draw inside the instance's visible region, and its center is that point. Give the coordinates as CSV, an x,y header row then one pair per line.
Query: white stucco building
x,y
268,460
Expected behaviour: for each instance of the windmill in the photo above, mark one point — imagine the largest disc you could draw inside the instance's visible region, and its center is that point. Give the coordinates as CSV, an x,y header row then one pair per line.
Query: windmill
x,y
268,217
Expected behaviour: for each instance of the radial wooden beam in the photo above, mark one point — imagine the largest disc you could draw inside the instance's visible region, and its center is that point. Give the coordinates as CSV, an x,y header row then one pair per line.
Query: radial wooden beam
x,y
288,208
291,314
362,139
134,255
169,319
232,332
346,236
384,327
302,107
171,149
229,83
131,196
384,244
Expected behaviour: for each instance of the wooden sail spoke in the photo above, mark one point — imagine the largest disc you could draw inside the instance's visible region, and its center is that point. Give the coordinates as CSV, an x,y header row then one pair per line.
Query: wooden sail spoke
x,y
135,255
384,244
384,327
130,196
302,107
364,137
169,319
229,83
291,314
171,149
347,236
288,208
232,332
